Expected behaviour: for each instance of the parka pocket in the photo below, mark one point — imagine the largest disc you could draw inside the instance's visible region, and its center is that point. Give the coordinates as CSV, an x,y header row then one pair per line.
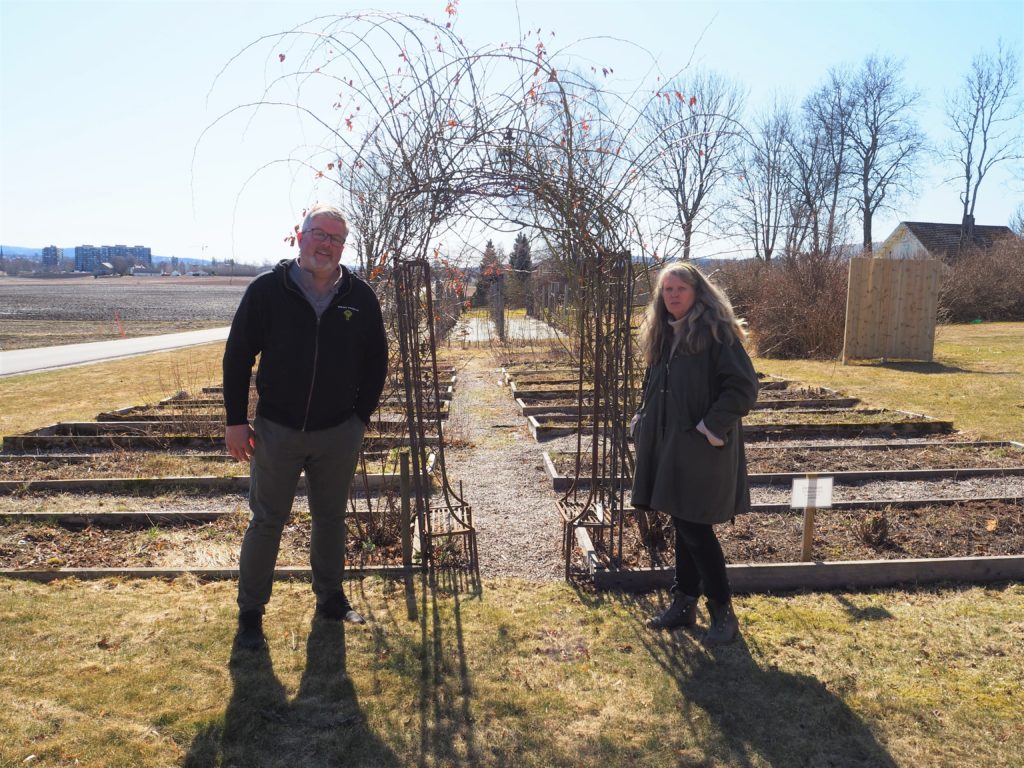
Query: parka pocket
x,y
702,464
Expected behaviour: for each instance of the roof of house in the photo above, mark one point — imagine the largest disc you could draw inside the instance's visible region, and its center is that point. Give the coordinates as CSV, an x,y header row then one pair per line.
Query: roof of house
x,y
943,240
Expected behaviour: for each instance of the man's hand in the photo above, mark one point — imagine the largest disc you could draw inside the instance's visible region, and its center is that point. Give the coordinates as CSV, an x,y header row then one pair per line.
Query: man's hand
x,y
240,441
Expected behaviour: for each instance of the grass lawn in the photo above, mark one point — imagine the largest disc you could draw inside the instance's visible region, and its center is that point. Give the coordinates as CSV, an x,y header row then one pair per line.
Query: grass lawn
x,y
976,379
122,673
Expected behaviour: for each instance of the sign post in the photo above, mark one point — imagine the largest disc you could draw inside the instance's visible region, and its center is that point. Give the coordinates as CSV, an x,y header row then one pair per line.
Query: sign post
x,y
811,493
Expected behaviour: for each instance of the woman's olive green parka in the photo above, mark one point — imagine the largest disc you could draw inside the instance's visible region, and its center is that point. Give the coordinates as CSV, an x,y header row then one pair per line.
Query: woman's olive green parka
x,y
677,470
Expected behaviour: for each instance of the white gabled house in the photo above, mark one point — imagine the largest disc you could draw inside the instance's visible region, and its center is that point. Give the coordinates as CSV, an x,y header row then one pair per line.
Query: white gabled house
x,y
928,240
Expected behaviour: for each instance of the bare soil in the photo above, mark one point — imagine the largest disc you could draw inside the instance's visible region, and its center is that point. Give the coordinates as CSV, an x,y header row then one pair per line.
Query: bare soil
x,y
768,457
970,529
27,546
829,416
120,464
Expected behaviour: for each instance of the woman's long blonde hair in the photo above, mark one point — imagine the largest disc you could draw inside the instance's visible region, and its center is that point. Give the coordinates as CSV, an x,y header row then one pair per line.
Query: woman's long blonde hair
x,y
711,314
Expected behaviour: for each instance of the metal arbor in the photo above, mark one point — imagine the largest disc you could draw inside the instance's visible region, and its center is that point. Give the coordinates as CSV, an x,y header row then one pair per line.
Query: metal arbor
x,y
443,532
604,315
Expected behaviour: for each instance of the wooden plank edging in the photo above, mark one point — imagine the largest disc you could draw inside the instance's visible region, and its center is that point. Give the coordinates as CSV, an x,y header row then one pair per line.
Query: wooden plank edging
x,y
563,483
208,574
845,574
233,483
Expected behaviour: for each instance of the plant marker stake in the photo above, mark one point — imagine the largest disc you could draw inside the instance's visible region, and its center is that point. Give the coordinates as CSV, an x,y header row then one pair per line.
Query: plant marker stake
x,y
117,319
810,492
807,547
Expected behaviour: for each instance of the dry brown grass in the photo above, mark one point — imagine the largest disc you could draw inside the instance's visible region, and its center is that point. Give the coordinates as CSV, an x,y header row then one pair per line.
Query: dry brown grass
x,y
34,400
141,674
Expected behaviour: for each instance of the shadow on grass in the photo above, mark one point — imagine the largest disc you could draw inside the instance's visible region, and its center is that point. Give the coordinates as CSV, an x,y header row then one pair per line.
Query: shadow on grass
x,y
756,713
322,726
436,660
911,366
446,730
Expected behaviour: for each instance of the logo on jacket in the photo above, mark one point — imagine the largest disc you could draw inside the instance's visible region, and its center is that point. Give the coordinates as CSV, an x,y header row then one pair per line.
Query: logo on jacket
x,y
347,311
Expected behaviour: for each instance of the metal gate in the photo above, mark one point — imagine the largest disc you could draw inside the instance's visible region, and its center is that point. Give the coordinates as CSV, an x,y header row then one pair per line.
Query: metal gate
x,y
604,318
443,522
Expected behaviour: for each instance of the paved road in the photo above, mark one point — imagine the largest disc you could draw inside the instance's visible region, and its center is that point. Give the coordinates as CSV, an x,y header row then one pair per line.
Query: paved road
x,y
43,358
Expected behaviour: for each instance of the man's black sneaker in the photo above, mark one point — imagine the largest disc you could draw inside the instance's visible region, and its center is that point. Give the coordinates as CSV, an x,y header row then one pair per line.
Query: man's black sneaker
x,y
250,635
338,608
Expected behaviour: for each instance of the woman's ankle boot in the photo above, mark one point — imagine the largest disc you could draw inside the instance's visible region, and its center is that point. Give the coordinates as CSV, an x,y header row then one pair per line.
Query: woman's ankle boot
x,y
725,627
682,613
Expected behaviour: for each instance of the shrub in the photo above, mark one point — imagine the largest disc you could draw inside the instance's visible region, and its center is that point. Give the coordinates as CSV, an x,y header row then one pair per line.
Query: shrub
x,y
985,285
742,282
796,306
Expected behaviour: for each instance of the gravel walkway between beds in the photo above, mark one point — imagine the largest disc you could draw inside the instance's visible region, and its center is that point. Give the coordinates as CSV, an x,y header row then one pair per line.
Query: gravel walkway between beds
x,y
519,530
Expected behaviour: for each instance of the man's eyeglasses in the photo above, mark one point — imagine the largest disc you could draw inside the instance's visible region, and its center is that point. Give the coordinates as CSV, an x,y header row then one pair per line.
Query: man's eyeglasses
x,y
321,237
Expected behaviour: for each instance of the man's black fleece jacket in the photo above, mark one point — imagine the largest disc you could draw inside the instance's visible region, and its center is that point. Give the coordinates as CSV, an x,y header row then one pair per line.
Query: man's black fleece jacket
x,y
314,372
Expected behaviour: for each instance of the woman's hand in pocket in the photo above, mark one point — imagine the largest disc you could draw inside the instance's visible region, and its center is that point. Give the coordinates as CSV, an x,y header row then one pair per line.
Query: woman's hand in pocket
x,y
712,438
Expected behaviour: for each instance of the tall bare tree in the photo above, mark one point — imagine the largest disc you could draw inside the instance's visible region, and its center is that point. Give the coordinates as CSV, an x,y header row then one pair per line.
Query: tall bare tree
x,y
693,126
761,203
984,117
885,139
820,168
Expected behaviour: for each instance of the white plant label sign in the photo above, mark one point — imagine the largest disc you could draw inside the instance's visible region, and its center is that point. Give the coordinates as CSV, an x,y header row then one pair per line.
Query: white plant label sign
x,y
811,492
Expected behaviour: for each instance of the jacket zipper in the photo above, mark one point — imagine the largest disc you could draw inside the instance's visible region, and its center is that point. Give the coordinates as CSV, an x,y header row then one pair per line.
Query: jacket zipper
x,y
312,378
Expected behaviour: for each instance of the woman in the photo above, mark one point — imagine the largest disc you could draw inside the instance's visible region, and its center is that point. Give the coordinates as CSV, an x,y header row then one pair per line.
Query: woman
x,y
688,438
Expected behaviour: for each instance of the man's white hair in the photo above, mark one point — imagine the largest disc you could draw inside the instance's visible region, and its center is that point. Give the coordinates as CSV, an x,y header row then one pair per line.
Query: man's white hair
x,y
324,210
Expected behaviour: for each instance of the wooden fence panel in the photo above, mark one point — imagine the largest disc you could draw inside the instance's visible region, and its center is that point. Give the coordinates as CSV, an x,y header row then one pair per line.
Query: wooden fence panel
x,y
891,306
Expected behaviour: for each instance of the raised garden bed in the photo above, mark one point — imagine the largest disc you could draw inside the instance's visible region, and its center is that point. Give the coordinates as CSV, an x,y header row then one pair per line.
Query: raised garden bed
x,y
106,473
550,425
772,425
548,392
42,442
542,407
769,463
827,415
867,545
178,543
560,376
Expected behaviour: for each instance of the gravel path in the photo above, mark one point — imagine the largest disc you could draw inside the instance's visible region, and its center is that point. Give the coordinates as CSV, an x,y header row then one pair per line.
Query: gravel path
x,y
519,531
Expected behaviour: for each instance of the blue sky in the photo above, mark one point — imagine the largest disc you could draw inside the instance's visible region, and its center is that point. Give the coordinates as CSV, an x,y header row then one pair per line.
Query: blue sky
x,y
101,103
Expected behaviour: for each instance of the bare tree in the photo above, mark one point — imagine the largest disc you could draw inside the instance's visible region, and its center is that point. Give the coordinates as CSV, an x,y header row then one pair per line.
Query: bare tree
x,y
884,138
984,117
819,167
761,202
1017,220
693,125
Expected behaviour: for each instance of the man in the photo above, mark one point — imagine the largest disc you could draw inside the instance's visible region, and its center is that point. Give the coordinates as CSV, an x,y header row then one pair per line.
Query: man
x,y
323,360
